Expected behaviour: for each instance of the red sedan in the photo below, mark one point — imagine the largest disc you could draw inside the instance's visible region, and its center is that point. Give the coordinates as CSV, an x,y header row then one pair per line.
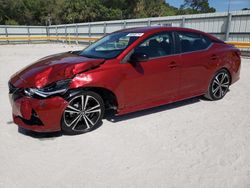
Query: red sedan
x,y
127,71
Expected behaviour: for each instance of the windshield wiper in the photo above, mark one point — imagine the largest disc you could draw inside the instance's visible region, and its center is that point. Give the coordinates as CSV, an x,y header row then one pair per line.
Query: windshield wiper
x,y
88,56
91,56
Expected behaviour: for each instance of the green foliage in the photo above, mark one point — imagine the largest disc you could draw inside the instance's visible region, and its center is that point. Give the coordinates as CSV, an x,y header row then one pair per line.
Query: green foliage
x,y
10,22
195,7
39,12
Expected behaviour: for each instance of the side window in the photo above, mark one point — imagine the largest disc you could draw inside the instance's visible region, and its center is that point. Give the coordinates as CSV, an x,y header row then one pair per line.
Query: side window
x,y
192,42
157,45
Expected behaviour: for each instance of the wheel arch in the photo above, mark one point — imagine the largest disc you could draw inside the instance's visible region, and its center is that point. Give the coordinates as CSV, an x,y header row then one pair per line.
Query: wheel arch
x,y
228,71
109,98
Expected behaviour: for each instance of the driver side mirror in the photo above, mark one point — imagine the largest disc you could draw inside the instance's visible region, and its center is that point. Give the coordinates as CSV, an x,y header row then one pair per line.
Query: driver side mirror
x,y
138,57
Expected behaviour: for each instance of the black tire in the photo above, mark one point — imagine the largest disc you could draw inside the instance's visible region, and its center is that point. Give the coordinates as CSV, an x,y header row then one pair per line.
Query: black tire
x,y
219,85
83,114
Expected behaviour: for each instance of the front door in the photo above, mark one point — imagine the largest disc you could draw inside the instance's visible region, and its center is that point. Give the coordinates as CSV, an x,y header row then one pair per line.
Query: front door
x,y
156,79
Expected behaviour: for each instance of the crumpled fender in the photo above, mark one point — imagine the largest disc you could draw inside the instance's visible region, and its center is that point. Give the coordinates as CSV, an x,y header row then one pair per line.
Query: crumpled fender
x,y
53,68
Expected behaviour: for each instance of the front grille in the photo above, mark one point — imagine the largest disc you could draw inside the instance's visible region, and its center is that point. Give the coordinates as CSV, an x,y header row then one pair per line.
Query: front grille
x,y
17,93
12,88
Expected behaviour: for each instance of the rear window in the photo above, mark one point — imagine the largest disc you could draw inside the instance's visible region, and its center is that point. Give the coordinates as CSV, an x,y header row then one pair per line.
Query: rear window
x,y
190,42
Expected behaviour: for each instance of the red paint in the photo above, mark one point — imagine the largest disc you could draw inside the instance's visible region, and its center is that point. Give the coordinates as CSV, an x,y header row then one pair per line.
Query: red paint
x,y
155,82
51,69
48,110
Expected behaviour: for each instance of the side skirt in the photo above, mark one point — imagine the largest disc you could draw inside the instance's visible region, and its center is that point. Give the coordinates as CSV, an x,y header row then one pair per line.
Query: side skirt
x,y
153,104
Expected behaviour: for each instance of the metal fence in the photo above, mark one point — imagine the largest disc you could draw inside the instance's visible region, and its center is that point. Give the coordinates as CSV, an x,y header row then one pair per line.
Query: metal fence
x,y
233,26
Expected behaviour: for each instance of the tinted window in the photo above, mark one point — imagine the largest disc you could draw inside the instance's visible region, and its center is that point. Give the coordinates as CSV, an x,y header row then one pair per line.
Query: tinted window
x,y
157,45
192,42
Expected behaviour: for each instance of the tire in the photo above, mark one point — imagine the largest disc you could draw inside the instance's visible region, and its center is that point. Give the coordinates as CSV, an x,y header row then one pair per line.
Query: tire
x,y
219,85
83,114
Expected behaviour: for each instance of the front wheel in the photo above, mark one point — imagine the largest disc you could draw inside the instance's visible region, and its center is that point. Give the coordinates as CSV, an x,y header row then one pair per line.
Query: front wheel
x,y
219,86
83,113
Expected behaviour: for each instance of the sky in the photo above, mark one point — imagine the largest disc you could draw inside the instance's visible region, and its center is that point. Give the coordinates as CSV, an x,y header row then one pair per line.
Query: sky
x,y
219,5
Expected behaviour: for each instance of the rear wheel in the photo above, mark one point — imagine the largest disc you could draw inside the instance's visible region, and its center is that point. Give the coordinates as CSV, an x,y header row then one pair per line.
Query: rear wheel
x,y
83,113
219,85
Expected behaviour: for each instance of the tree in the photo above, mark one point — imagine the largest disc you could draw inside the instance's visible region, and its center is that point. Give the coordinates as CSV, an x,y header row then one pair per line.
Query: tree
x,y
156,8
195,6
36,12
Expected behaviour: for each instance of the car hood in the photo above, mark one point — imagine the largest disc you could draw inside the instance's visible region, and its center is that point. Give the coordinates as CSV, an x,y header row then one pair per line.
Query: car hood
x,y
53,68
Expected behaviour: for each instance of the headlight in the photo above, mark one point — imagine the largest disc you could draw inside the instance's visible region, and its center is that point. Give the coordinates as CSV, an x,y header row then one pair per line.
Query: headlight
x,y
59,87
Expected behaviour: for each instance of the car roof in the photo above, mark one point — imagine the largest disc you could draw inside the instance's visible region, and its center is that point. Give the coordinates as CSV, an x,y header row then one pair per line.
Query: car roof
x,y
152,29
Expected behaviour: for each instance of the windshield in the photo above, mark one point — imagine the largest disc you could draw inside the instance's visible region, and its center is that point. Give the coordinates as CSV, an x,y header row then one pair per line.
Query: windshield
x,y
111,45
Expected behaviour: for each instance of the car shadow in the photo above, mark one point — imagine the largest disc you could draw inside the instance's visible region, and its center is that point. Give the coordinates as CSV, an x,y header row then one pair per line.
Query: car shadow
x,y
40,136
48,135
110,116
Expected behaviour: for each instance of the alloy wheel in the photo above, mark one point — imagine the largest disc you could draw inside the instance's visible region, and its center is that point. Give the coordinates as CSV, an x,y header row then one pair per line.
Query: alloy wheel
x,y
82,113
220,85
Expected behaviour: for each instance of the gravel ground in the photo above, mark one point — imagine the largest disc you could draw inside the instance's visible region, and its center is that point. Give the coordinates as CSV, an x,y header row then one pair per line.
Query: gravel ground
x,y
193,143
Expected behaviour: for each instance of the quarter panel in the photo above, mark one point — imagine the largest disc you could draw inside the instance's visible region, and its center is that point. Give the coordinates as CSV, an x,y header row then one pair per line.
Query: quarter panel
x,y
196,70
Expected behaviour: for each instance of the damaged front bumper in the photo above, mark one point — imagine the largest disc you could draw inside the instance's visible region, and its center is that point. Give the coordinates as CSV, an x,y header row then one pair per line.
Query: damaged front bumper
x,y
39,115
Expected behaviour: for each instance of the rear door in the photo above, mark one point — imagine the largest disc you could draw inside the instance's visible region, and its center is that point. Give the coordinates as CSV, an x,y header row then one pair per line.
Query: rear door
x,y
196,58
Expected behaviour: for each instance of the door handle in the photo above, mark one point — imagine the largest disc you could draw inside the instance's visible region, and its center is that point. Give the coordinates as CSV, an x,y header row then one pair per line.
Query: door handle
x,y
172,65
214,57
